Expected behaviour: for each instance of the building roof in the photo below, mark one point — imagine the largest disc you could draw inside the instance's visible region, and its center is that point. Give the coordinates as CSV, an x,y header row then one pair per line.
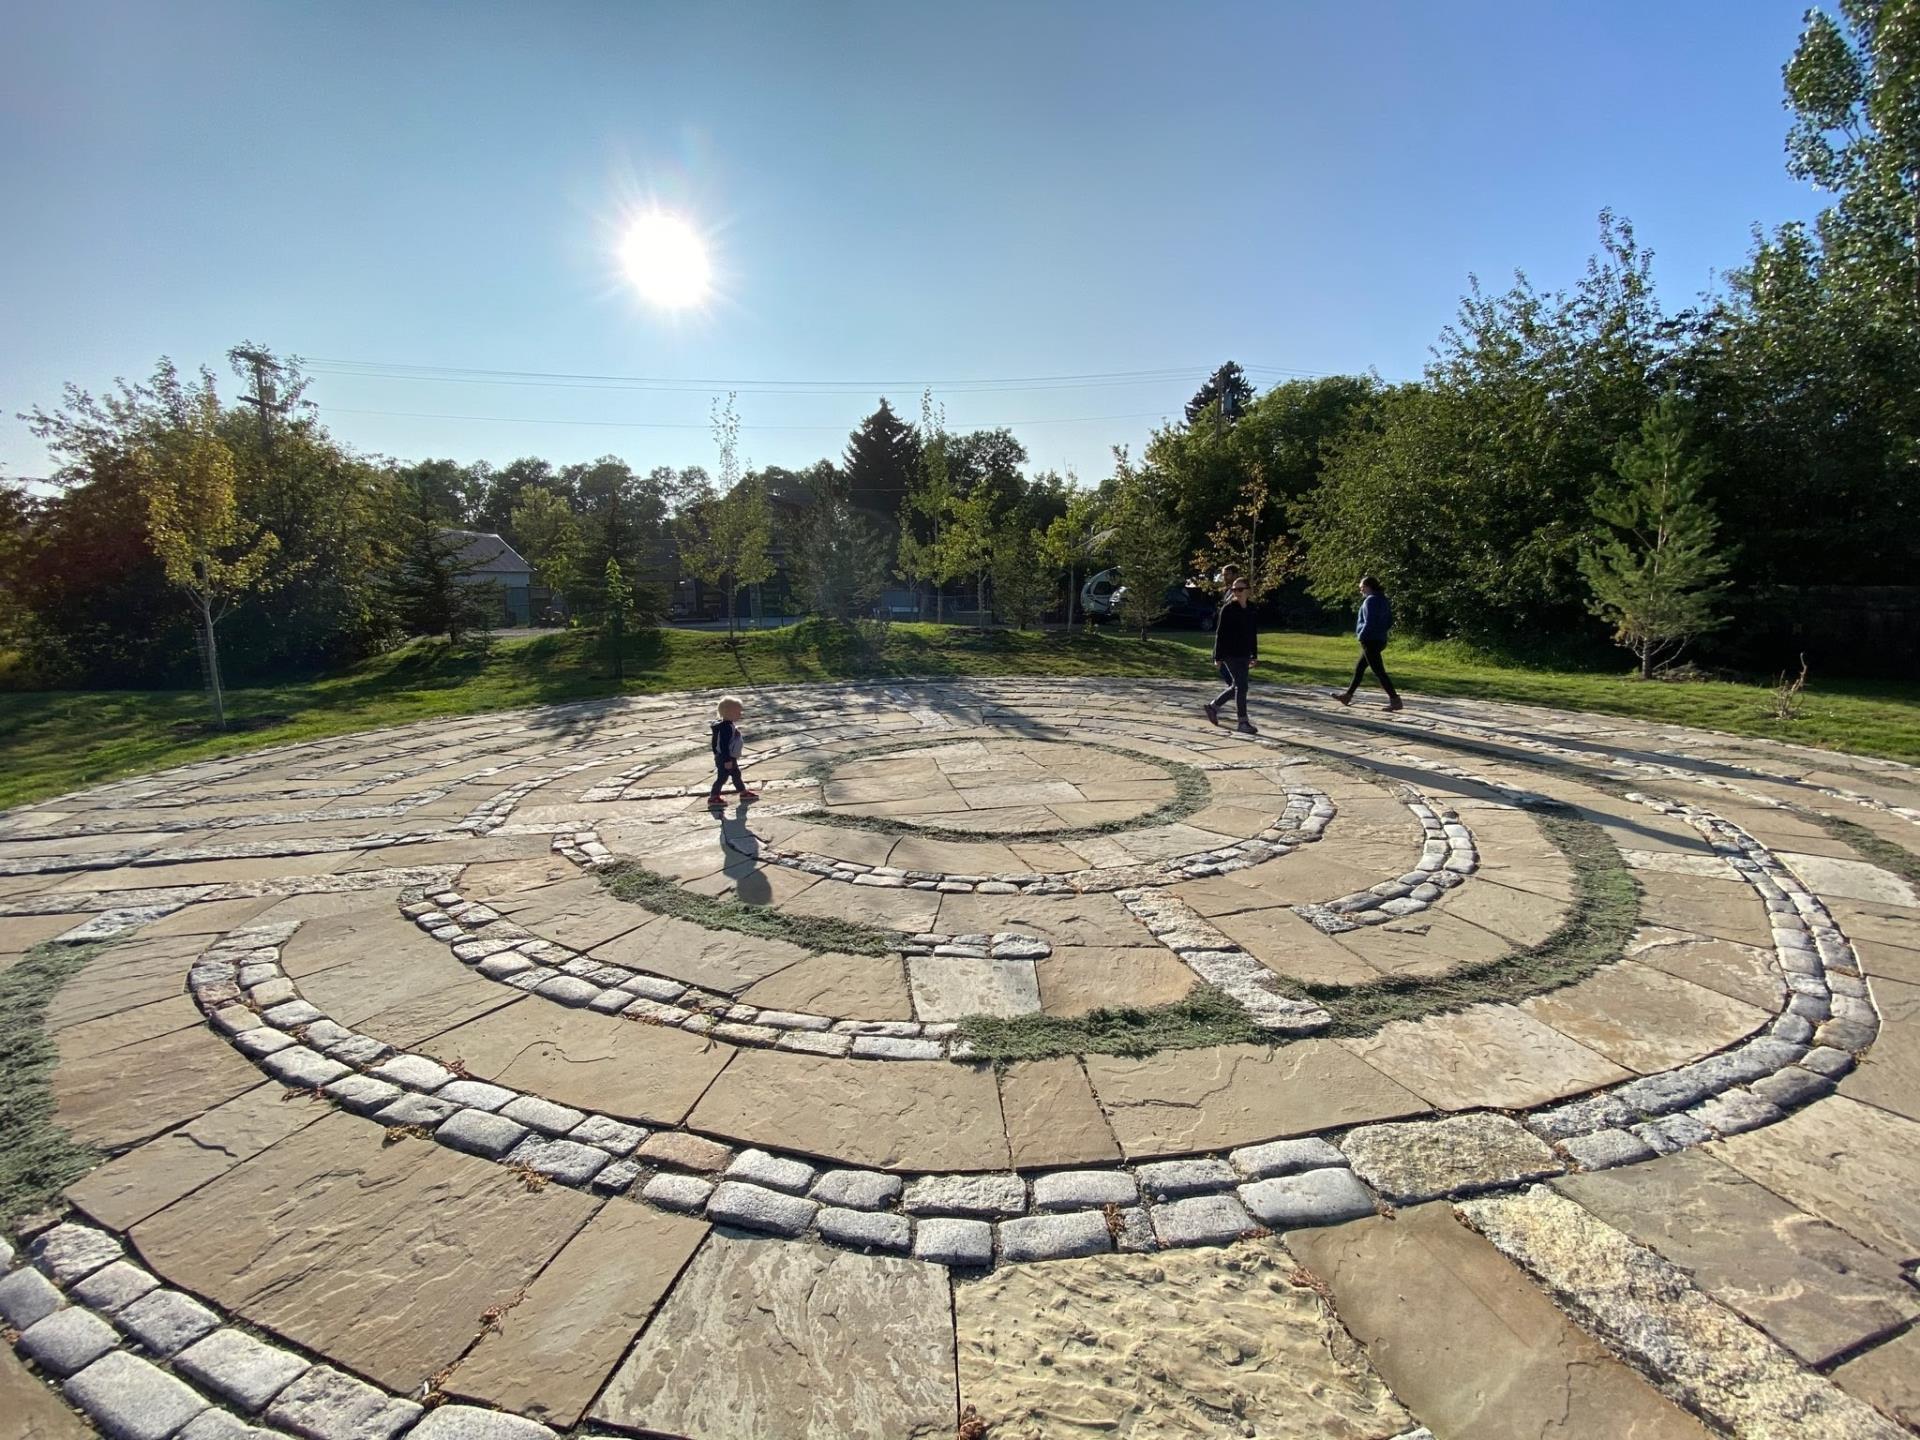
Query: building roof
x,y
485,553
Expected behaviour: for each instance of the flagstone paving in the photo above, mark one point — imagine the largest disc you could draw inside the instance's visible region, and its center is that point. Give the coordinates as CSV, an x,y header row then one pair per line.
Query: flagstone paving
x,y
408,1123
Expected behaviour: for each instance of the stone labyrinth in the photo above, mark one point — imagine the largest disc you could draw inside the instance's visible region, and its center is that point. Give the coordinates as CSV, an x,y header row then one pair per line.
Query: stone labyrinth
x,y
1033,1059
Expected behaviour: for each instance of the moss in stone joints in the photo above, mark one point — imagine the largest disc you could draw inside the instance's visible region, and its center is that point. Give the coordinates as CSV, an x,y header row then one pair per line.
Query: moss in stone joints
x,y
1598,925
651,891
1191,793
1874,846
37,1158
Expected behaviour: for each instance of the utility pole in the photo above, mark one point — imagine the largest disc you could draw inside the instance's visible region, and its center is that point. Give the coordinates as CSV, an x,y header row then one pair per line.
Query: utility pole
x,y
266,393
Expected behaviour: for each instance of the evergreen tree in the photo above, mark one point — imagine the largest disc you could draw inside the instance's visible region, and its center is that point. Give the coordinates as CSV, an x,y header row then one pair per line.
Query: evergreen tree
x,y
840,557
1655,575
1227,390
882,462
427,580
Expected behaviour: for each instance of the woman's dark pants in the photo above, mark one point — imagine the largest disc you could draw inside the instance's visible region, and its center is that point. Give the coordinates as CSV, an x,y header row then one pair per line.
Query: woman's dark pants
x,y
1370,655
1234,672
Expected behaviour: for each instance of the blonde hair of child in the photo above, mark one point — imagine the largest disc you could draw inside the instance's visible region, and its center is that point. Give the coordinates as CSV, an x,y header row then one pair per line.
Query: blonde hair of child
x,y
728,702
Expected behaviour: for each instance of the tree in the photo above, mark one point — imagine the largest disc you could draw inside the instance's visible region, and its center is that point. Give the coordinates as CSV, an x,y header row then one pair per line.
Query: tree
x,y
923,513
966,544
1069,541
839,556
617,604
1022,583
550,537
1149,545
1263,557
1225,395
882,462
428,576
451,490
204,545
725,534
1655,574
1853,86
988,457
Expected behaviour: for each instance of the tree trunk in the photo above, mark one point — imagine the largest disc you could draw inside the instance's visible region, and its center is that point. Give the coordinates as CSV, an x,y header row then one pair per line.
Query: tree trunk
x,y
213,666
980,600
729,581
1070,596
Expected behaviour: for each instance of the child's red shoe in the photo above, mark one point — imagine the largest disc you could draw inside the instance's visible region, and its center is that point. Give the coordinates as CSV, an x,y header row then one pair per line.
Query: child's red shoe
x,y
749,794
714,802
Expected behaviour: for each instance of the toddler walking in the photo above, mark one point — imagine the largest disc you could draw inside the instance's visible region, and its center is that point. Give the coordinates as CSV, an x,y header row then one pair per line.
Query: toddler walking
x,y
728,741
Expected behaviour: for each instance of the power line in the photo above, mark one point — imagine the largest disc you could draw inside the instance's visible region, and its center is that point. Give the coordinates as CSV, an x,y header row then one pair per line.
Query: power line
x,y
473,375
664,425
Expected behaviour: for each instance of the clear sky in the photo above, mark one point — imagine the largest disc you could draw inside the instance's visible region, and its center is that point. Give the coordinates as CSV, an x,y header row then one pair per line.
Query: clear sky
x,y
893,193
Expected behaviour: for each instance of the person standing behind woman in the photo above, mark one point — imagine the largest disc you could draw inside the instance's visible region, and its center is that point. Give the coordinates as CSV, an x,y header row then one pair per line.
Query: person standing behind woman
x,y
1371,628
1235,648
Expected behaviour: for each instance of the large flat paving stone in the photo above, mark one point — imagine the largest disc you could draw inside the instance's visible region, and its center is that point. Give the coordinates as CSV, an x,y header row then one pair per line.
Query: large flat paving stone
x,y
127,1027
1887,1378
716,959
381,1257
1486,1057
373,930
1890,1075
1813,1287
1052,1117
1078,978
147,1179
1848,1162
1850,879
586,1060
1505,1364
1164,1345
905,1115
771,1340
1093,920
846,987
910,911
29,1410
1183,1101
1289,945
550,1353
139,972
1645,1019
1747,973
124,1096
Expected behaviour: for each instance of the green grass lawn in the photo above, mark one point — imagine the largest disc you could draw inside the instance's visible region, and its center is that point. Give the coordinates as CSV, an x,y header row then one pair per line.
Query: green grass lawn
x,y
54,741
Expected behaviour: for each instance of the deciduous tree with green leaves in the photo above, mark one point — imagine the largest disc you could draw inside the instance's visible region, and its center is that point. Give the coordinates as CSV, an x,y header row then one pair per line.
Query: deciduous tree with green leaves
x,y
1070,540
616,600
966,543
922,557
206,548
1246,538
725,533
550,535
1149,544
840,557
1023,584
1655,573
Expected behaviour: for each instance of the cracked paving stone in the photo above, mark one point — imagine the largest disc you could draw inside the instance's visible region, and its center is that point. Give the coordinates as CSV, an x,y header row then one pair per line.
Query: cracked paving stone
x,y
1408,1163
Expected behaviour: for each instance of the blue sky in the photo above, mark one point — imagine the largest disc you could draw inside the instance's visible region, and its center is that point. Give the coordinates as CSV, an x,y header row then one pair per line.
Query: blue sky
x,y
896,194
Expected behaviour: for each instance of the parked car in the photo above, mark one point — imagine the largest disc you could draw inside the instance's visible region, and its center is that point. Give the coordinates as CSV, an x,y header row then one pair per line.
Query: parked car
x,y
1185,604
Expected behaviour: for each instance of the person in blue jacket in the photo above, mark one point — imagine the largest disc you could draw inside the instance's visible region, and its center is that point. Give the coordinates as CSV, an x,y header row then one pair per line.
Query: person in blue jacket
x,y
1371,628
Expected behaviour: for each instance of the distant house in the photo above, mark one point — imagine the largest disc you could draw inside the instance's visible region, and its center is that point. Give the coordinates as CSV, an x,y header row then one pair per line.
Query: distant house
x,y
486,559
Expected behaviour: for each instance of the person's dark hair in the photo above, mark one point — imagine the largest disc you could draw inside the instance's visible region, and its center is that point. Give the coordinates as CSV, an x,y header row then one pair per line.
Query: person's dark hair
x,y
1367,582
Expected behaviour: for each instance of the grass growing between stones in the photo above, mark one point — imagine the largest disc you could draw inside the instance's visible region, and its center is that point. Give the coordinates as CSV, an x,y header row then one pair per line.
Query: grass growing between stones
x,y
1191,792
650,891
37,1158
1598,926
1876,847
1205,1017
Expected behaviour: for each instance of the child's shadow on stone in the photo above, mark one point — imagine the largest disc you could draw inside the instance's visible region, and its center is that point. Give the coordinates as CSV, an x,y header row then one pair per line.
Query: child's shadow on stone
x,y
746,877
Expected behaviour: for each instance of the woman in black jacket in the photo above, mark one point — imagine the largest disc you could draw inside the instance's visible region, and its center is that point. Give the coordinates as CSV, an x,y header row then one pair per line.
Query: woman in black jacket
x,y
1235,648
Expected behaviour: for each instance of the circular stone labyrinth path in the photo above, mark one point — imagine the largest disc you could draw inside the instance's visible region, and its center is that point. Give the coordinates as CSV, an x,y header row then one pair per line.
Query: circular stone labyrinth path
x,y
1031,1056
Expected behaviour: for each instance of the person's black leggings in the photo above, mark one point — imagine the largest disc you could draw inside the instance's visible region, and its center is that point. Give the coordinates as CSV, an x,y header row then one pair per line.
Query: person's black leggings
x,y
728,769
1234,672
1370,655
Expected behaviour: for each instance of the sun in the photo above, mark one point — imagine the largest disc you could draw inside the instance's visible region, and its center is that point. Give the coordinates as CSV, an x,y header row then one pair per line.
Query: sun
x,y
666,260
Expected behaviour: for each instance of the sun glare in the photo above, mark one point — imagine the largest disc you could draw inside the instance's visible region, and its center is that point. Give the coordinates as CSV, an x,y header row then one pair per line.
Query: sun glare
x,y
666,260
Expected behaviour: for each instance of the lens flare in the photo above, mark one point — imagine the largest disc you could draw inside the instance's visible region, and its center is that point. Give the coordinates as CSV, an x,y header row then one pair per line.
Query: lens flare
x,y
666,260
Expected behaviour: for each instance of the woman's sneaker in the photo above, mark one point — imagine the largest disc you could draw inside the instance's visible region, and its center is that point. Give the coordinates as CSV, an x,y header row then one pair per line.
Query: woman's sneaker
x,y
1394,704
1245,727
1213,712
